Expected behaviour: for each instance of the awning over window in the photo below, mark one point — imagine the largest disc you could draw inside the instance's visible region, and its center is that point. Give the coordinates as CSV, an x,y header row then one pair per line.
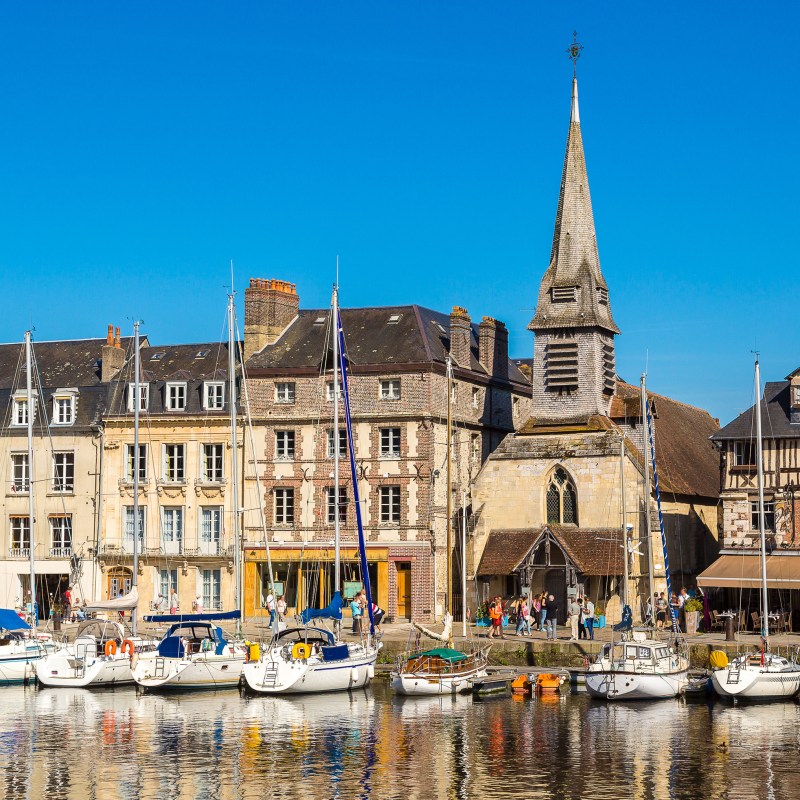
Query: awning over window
x,y
744,572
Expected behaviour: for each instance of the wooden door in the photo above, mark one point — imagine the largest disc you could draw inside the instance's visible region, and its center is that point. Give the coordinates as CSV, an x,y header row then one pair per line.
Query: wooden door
x,y
403,590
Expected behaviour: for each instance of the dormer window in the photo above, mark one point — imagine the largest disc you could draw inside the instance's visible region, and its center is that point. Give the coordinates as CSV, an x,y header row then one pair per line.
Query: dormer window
x,y
602,296
796,396
176,396
64,401
20,412
213,395
157,356
563,294
144,396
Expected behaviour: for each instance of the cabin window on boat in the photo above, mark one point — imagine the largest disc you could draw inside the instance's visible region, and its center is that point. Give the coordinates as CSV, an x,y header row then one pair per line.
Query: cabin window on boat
x,y
64,472
330,503
144,396
174,463
176,396
662,652
390,504
212,589
61,535
562,499
20,534
744,454
284,392
213,395
644,653
390,389
769,516
20,474
390,442
212,463
129,467
284,506
284,445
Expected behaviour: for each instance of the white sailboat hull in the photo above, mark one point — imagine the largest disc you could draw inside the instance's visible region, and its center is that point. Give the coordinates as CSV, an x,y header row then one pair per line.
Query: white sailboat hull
x,y
407,683
276,675
18,660
199,671
756,682
632,685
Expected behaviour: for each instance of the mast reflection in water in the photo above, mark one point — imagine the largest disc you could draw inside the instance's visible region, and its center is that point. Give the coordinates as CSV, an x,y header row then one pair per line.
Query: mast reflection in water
x,y
62,743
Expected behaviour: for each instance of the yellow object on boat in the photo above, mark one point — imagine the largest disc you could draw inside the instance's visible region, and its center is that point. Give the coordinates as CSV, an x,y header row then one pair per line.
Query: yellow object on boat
x,y
548,682
301,650
521,685
255,651
718,659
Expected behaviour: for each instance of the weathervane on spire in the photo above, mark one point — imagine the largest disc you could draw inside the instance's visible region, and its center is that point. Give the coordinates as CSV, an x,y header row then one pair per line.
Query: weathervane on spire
x,y
574,51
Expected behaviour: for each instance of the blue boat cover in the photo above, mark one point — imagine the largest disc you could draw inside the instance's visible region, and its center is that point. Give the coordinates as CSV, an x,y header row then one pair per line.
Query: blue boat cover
x,y
332,611
626,623
11,621
211,617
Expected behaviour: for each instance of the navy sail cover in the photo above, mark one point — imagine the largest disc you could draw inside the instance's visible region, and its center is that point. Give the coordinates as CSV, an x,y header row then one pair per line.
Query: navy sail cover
x,y
332,611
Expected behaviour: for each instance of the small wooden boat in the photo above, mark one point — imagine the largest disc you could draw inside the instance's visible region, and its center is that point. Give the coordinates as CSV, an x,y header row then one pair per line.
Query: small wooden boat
x,y
521,686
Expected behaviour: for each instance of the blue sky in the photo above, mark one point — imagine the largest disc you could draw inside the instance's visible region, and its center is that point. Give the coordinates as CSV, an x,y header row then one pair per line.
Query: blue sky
x,y
144,146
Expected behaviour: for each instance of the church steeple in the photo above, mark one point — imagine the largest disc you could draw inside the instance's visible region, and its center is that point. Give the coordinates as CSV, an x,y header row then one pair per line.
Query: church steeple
x,y
574,372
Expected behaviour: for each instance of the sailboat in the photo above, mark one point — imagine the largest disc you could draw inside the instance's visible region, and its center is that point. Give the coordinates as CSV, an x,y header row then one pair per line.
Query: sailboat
x,y
312,659
20,646
103,651
194,653
761,675
638,666
441,670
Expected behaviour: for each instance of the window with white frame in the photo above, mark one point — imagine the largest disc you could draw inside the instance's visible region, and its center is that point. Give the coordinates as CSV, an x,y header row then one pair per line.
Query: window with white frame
x,y
390,504
130,467
331,446
769,516
284,392
174,463
390,442
64,472
20,412
476,448
20,535
212,589
128,528
213,395
64,408
20,473
172,528
212,470
744,454
61,535
210,529
284,506
390,389
329,391
330,503
167,583
176,396
284,445
144,396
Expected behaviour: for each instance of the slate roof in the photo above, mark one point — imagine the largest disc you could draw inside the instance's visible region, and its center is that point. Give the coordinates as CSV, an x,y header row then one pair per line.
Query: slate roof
x,y
596,551
418,336
775,417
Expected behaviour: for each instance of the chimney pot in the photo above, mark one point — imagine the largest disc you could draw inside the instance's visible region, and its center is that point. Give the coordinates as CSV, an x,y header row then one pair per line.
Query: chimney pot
x,y
117,339
110,335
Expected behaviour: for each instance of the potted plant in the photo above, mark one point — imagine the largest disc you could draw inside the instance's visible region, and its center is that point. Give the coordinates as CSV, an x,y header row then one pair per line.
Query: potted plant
x,y
691,612
599,616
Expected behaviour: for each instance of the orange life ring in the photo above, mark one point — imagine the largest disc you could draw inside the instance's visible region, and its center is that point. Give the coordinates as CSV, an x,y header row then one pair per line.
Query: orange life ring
x,y
111,648
128,647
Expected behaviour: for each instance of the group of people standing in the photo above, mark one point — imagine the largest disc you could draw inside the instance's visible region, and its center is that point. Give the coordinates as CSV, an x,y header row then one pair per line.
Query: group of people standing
x,y
581,618
358,608
540,613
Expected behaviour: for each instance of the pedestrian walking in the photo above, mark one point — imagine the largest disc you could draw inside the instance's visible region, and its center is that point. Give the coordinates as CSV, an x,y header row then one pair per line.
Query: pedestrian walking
x,y
173,602
552,617
269,604
588,617
523,617
543,613
574,609
280,607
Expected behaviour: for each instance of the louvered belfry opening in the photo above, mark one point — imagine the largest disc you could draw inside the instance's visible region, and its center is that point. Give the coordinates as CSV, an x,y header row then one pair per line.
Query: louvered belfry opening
x,y
561,365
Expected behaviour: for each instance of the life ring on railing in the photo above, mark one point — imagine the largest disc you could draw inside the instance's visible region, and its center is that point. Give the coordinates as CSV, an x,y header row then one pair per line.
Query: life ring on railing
x,y
111,648
301,650
129,647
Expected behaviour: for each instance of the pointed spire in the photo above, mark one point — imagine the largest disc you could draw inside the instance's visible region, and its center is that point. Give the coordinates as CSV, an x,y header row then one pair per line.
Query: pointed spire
x,y
573,292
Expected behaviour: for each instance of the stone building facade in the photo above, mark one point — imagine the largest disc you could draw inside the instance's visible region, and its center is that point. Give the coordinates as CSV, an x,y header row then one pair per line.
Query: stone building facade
x,y
550,505
398,393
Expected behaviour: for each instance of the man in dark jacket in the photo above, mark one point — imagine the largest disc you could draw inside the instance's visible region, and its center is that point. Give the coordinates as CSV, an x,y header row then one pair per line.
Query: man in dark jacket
x,y
552,617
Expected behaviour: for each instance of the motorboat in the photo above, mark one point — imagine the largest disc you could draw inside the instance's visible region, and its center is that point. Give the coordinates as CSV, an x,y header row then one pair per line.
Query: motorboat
x,y
20,648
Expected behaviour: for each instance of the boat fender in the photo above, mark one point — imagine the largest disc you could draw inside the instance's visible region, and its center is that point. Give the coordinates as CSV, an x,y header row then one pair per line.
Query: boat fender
x,y
134,660
354,674
111,648
371,671
129,647
718,659
301,650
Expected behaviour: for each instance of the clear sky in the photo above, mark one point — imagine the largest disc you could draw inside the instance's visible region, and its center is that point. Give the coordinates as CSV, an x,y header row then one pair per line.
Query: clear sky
x,y
144,146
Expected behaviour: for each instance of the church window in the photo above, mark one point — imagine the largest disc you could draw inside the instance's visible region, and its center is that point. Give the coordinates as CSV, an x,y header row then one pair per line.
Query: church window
x,y
562,499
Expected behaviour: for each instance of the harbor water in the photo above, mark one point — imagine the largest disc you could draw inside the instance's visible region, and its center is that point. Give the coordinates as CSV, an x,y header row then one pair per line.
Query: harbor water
x,y
61,743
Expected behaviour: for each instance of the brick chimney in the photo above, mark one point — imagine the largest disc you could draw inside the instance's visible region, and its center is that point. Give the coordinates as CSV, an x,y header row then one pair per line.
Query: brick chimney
x,y
493,347
112,356
269,307
460,336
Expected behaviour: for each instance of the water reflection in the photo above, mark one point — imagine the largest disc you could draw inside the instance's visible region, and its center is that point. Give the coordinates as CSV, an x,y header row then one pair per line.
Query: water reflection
x,y
63,743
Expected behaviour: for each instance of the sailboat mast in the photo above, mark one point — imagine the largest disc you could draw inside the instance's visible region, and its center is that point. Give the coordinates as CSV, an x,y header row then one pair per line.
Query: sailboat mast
x,y
337,528
449,595
31,524
761,526
646,452
626,577
464,563
237,584
137,405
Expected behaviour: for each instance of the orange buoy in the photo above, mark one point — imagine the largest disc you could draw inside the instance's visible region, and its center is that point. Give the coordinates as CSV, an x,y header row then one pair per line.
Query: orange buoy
x,y
111,648
128,647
